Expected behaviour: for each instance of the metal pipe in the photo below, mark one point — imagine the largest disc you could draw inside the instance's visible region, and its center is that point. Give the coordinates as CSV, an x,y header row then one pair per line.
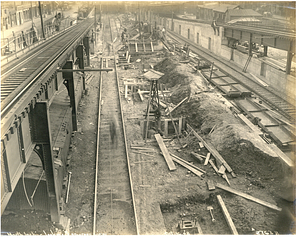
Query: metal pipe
x,y
68,188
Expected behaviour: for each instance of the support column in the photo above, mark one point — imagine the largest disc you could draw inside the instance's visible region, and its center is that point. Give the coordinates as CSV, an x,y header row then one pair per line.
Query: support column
x,y
250,45
86,43
265,50
79,55
289,59
69,83
41,135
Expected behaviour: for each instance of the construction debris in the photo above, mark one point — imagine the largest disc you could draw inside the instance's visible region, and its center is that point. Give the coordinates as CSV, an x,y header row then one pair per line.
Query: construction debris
x,y
210,185
227,215
207,158
165,152
212,150
189,164
249,197
197,156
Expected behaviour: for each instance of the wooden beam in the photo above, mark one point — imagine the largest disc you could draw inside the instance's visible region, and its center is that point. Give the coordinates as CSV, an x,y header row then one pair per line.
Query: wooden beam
x,y
281,155
214,166
165,152
171,110
227,215
211,149
141,96
195,171
250,124
189,164
207,158
197,156
249,197
210,185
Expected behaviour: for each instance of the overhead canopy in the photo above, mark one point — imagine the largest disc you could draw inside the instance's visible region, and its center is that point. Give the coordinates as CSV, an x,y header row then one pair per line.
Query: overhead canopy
x,y
153,75
244,19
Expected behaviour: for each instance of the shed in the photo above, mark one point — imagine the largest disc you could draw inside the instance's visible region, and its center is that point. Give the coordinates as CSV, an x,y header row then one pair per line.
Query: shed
x,y
232,14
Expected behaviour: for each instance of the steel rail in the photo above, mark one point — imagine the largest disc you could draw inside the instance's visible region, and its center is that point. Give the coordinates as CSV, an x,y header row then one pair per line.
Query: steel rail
x,y
262,90
126,147
125,143
97,152
40,73
46,44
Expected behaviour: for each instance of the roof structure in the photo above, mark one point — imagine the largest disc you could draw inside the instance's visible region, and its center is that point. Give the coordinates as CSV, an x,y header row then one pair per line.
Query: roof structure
x,y
224,7
153,75
243,13
219,7
244,19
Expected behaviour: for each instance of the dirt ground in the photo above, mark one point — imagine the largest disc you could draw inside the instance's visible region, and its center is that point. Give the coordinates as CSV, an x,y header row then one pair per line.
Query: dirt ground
x,y
164,198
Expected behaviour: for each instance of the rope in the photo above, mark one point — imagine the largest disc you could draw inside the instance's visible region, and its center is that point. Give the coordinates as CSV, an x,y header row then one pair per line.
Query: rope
x,y
25,189
31,198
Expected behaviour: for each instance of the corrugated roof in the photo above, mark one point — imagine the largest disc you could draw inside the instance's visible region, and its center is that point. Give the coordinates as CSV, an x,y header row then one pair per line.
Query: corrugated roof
x,y
243,13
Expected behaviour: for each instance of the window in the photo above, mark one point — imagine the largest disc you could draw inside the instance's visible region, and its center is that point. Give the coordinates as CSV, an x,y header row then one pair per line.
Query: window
x,y
179,29
188,33
197,38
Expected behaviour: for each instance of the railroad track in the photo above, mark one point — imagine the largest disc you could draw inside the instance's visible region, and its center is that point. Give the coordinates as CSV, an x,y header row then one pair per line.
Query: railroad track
x,y
19,77
271,97
114,207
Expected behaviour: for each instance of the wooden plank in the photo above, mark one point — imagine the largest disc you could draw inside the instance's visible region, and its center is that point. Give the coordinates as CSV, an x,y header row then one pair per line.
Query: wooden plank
x,y
211,149
281,155
222,169
141,96
207,158
126,90
151,46
180,124
210,185
214,167
195,171
197,156
189,164
165,152
250,124
227,215
182,101
166,130
249,197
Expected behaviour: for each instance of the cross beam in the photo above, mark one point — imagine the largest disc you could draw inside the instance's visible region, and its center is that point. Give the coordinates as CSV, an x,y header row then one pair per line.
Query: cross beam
x,y
82,70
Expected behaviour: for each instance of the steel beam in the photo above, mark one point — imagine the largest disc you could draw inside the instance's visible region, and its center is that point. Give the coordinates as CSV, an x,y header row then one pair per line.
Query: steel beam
x,y
86,43
41,135
79,55
83,70
69,83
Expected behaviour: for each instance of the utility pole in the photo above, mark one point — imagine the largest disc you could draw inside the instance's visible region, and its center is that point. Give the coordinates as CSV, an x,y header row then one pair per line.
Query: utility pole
x,y
42,24
140,20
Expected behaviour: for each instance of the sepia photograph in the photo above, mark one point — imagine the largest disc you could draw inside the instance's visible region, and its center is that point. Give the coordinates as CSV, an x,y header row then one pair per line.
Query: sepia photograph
x,y
148,118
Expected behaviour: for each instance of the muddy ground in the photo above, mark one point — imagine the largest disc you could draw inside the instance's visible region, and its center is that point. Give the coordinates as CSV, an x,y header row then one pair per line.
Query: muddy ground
x,y
165,198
